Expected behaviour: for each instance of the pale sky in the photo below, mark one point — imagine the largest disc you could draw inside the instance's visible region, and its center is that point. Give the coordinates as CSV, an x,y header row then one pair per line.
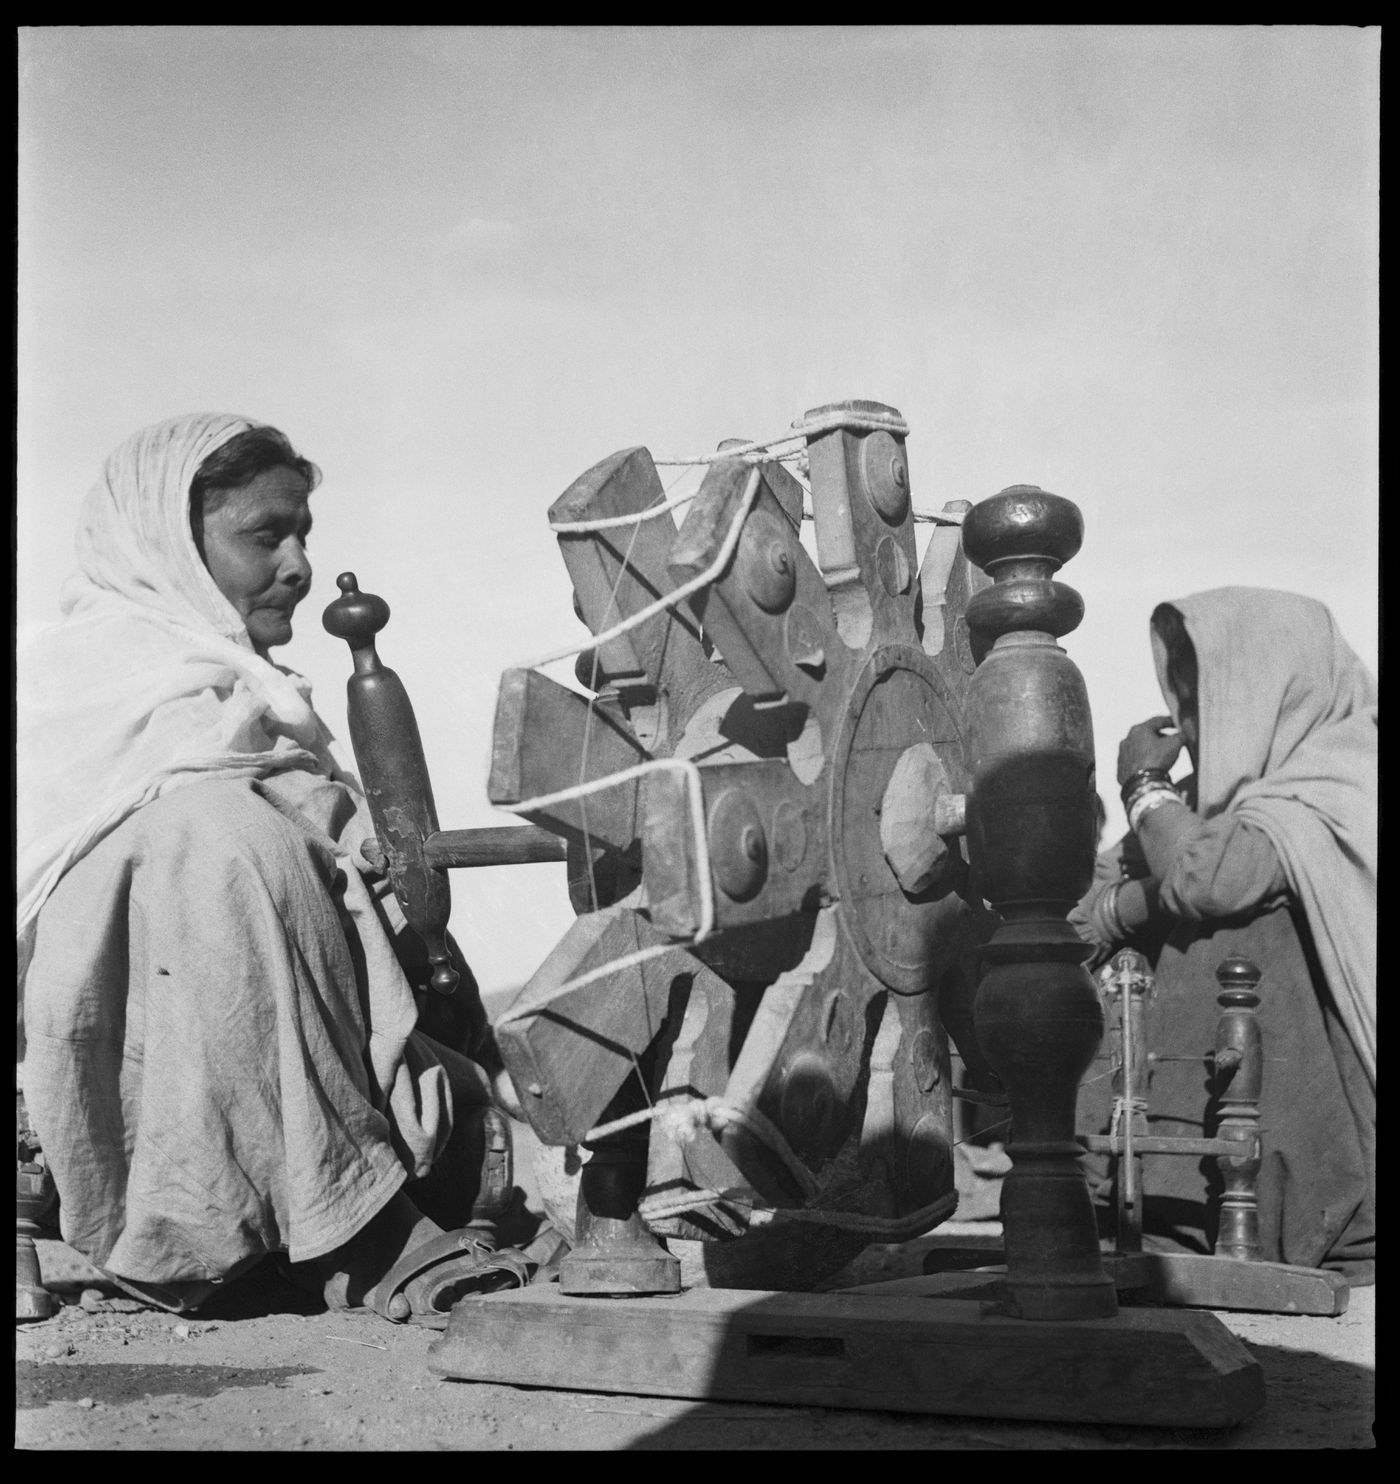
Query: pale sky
x,y
1134,265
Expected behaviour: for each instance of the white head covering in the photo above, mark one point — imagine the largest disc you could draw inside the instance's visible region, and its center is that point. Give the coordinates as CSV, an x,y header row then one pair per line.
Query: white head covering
x,y
150,680
1288,740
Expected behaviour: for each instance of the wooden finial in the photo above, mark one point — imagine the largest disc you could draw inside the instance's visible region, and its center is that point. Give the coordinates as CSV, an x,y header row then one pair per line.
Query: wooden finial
x,y
1238,977
1021,538
355,617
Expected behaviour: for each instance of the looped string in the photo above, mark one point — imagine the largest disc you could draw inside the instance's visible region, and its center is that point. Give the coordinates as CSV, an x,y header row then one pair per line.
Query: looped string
x,y
681,1119
695,798
757,452
660,1208
667,600
985,1099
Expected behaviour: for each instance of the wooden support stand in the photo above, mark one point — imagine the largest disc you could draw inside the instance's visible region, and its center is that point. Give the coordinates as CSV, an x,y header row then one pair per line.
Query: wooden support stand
x,y
1031,833
866,1351
613,1252
1234,1277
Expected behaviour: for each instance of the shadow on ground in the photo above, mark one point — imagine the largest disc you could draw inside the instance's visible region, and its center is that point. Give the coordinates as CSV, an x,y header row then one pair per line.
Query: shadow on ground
x,y
1312,1401
36,1385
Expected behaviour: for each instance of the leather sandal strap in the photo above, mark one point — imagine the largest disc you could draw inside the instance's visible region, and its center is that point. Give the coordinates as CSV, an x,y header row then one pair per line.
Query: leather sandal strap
x,y
430,1254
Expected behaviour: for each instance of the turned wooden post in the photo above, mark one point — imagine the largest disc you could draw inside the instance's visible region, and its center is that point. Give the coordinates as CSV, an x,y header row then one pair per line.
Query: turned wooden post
x,y
1239,1080
394,772
613,1252
1130,982
34,1198
1031,835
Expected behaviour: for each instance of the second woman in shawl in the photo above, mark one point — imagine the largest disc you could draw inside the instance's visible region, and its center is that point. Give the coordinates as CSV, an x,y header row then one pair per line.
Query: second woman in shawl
x,y
1268,851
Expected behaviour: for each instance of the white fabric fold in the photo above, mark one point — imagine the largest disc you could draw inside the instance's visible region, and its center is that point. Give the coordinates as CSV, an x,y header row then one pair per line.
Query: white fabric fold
x,y
150,679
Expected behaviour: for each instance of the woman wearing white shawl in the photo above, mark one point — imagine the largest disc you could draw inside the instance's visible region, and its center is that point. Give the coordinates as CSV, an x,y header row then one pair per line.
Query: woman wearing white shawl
x,y
218,1035
1272,854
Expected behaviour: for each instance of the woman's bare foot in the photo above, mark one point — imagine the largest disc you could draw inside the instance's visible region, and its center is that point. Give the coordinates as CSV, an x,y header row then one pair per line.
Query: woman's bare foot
x,y
350,1273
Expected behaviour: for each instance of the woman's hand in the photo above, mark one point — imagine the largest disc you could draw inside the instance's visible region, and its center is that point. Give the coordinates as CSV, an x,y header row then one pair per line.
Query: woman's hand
x,y
1150,744
505,1097
1089,922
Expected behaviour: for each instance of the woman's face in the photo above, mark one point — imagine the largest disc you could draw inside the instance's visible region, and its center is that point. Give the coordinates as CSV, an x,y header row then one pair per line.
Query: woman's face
x,y
254,545
1181,677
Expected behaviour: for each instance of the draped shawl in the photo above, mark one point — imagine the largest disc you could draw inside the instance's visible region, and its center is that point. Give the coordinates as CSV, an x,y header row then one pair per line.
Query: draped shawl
x,y
1288,741
150,679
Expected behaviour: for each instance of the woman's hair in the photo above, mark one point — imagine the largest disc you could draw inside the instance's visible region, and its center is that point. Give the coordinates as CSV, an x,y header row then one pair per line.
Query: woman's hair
x,y
235,463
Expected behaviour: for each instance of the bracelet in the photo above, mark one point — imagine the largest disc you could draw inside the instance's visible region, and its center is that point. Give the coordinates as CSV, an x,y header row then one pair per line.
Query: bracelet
x,y
1138,786
1139,778
1112,917
1148,800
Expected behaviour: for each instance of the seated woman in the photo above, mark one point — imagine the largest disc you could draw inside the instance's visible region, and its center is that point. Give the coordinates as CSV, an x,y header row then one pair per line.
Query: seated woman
x,y
219,1046
1268,851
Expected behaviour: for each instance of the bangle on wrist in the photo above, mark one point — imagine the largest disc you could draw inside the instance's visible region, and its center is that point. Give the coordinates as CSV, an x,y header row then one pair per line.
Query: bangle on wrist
x,y
1140,785
1141,791
1149,799
1111,915
1140,779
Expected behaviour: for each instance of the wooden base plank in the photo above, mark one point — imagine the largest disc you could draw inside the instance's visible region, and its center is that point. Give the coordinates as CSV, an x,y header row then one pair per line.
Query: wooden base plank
x,y
1194,1280
1188,1280
1146,1367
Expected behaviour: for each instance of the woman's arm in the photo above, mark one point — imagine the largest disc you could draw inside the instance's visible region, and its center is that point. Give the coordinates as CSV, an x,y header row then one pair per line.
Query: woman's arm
x,y
1211,868
1203,868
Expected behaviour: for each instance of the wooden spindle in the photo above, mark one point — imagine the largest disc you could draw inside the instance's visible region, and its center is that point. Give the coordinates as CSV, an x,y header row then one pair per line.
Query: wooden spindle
x,y
1130,982
389,754
1031,836
1239,1080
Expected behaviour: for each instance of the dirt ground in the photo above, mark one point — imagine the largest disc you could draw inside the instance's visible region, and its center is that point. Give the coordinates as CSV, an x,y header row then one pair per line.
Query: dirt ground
x,y
267,1368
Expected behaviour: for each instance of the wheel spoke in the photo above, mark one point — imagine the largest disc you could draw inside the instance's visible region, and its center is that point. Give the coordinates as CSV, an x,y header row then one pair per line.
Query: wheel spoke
x,y
947,581
660,669
549,738
568,1050
766,847
865,532
768,613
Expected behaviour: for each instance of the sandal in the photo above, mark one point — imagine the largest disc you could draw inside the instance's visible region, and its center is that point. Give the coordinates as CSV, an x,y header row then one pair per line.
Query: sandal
x,y
434,1276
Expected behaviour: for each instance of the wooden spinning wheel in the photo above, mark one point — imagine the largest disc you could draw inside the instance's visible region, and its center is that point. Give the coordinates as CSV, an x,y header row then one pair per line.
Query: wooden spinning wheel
x,y
764,796
808,808
823,704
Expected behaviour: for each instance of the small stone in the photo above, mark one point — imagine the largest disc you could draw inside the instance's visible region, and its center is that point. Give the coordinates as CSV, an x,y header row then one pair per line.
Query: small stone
x,y
86,1403
91,1300
182,1331
57,1352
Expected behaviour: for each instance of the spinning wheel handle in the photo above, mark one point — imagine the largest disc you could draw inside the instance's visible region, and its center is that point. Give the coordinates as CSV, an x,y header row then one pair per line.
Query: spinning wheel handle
x,y
389,754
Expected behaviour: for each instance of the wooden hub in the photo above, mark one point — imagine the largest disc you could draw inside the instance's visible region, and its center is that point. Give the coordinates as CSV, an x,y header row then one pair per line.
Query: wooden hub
x,y
898,702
